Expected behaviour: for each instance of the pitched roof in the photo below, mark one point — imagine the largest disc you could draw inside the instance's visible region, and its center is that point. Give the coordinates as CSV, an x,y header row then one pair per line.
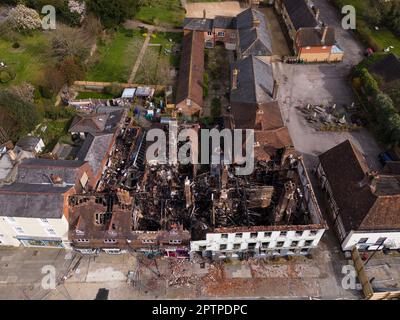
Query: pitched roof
x,y
95,149
255,82
313,37
365,203
253,38
197,24
300,14
225,22
32,200
28,143
268,142
388,68
96,122
266,116
191,70
39,171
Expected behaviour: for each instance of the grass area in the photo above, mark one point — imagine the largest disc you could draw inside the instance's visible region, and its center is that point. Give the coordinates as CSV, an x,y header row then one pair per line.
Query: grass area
x,y
162,12
164,38
116,57
382,38
159,59
94,95
149,68
29,60
51,131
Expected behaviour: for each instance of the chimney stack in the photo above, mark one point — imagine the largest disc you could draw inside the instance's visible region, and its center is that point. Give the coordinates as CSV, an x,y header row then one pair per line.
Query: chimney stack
x,y
256,23
317,14
235,78
204,14
324,32
275,90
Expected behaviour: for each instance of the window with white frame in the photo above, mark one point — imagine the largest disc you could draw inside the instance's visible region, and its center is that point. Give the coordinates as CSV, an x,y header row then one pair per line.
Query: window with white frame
x,y
44,222
10,219
19,230
51,231
221,34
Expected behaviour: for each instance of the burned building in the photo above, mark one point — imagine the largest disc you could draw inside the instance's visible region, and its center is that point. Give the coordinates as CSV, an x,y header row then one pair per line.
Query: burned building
x,y
272,212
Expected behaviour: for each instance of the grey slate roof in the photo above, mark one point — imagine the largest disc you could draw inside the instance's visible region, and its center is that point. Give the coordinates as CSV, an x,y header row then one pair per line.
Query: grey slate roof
x,y
32,201
197,24
255,81
300,14
225,22
96,123
28,143
94,150
255,40
36,171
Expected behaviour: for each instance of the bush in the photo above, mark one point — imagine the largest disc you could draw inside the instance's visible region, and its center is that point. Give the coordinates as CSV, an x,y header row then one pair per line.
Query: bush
x,y
114,89
7,75
46,92
16,45
205,85
4,76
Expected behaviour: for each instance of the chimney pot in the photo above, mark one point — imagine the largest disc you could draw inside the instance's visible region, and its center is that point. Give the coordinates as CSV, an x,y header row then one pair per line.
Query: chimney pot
x,y
324,32
235,78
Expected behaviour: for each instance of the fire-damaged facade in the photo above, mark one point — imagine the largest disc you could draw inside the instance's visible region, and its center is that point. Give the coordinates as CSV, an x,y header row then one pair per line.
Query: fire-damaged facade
x,y
272,212
191,210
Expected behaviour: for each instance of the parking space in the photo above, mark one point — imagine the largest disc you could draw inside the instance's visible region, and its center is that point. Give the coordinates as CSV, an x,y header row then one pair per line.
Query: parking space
x,y
318,84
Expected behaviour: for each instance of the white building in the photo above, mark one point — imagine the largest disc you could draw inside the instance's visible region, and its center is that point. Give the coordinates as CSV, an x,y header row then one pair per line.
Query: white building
x,y
364,205
34,208
262,241
30,144
34,232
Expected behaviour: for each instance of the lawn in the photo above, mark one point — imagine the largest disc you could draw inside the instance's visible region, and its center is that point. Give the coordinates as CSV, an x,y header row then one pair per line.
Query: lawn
x,y
162,12
116,56
51,131
159,59
164,38
382,37
29,60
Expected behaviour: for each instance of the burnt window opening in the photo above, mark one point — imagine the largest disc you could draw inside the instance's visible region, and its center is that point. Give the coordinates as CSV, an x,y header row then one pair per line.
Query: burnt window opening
x,y
280,244
236,246
308,243
222,247
253,235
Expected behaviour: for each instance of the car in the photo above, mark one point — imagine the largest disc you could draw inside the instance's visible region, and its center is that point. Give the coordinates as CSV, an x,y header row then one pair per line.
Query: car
x,y
387,156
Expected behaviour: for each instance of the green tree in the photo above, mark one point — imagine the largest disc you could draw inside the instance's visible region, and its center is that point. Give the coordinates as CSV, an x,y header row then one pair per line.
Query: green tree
x,y
113,12
18,117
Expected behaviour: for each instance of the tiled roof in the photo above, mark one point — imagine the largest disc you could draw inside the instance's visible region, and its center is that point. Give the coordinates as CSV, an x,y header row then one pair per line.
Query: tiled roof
x,y
300,14
191,70
365,202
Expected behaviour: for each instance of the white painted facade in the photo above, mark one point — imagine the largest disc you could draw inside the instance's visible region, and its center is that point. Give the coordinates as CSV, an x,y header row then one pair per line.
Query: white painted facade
x,y
34,232
371,240
261,242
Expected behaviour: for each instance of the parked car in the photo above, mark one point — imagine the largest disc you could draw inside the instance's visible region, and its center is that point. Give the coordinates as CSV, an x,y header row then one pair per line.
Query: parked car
x,y
387,156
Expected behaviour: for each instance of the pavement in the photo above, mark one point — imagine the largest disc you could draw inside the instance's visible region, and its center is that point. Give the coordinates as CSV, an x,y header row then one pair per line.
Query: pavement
x,y
140,56
81,276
